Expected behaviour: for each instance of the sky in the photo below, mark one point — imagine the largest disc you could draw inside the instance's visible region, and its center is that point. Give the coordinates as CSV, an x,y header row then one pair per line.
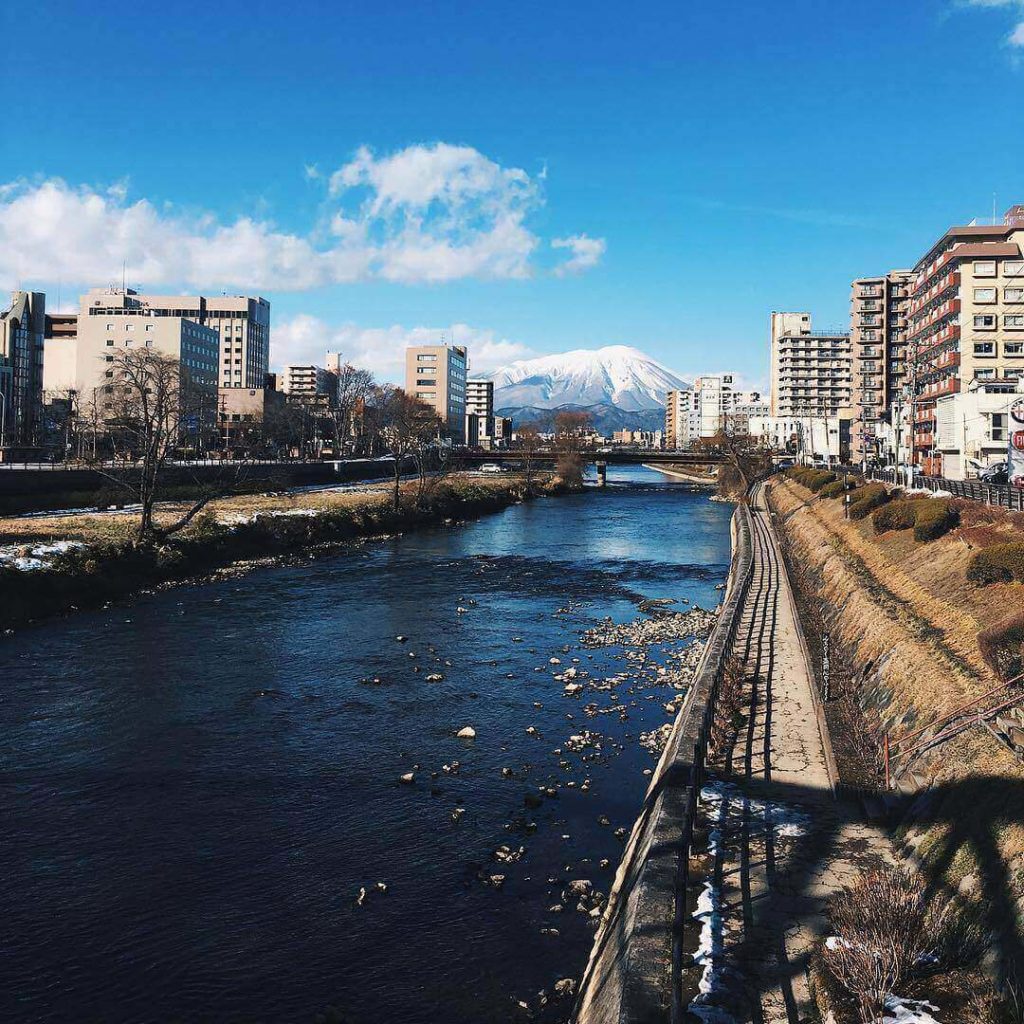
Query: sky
x,y
524,178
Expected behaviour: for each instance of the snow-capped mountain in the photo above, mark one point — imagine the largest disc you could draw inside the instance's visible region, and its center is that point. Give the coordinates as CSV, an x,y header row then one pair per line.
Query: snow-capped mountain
x,y
619,386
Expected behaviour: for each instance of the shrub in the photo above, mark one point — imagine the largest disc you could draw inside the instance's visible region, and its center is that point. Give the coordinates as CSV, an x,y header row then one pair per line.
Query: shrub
x,y
819,479
1002,645
897,515
1001,563
837,488
882,926
935,518
867,499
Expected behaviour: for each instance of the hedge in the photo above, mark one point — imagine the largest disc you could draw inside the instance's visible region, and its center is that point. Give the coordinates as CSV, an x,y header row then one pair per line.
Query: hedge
x,y
897,515
836,489
1000,563
867,499
935,519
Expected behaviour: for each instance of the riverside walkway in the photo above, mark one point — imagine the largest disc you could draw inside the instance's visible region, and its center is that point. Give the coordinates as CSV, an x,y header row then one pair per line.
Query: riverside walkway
x,y
722,893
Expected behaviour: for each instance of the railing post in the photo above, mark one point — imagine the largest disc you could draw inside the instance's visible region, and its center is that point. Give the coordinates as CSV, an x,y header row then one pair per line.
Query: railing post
x,y
885,747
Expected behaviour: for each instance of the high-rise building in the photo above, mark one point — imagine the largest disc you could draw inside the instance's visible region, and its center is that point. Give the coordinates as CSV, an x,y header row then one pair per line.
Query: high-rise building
x,y
965,326
242,324
59,352
310,383
745,406
878,340
811,371
22,330
712,400
436,374
480,413
678,410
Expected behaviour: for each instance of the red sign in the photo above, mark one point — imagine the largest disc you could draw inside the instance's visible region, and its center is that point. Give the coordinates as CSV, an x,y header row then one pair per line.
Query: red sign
x,y
1018,439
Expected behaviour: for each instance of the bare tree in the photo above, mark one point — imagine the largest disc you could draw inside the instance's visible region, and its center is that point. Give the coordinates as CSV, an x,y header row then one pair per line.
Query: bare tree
x,y
529,443
405,428
149,410
355,387
569,437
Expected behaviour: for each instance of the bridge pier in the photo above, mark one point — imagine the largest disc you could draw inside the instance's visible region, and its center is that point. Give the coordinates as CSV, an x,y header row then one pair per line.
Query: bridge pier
x,y
602,474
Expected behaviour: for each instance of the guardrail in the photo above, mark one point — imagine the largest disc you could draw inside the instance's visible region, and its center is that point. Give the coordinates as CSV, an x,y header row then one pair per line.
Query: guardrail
x,y
642,929
991,494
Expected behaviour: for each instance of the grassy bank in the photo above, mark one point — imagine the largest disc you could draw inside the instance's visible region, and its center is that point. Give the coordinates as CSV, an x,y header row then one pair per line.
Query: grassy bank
x,y
105,563
906,624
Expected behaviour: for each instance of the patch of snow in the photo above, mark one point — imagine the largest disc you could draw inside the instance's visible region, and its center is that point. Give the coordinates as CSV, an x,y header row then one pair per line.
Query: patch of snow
x,y
724,802
34,556
909,1011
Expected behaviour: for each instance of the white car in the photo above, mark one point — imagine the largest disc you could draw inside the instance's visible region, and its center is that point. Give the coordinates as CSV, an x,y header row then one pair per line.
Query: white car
x,y
492,467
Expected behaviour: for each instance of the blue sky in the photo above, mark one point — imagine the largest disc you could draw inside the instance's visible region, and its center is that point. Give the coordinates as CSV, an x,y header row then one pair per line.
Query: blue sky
x,y
383,171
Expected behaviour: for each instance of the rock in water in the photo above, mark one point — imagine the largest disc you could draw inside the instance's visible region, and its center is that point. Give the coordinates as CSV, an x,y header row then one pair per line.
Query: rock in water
x,y
466,733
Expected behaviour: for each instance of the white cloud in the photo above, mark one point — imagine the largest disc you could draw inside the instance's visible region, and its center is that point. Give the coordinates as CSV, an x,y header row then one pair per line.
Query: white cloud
x,y
585,253
1016,37
423,214
305,339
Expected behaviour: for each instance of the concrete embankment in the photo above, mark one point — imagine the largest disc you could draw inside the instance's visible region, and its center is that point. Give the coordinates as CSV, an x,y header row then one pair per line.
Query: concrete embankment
x,y
699,479
634,968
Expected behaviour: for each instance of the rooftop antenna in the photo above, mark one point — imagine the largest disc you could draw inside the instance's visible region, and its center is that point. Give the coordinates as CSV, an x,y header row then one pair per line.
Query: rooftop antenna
x,y
123,262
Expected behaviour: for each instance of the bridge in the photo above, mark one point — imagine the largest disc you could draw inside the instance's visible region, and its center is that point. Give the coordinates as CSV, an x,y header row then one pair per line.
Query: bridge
x,y
592,455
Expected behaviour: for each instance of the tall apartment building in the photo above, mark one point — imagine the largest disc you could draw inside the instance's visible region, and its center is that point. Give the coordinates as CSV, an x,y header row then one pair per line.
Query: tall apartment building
x,y
242,324
310,383
811,371
966,329
479,412
22,330
878,339
712,402
678,409
436,374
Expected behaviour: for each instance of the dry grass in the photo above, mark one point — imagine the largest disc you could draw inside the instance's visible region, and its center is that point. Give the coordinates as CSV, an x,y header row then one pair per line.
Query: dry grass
x,y
112,527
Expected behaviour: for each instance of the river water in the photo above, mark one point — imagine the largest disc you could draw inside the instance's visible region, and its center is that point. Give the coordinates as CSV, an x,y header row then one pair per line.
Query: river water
x,y
195,785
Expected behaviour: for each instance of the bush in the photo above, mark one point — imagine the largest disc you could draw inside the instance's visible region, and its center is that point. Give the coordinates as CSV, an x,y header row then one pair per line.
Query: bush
x,y
935,518
897,515
1001,563
867,499
837,488
1002,645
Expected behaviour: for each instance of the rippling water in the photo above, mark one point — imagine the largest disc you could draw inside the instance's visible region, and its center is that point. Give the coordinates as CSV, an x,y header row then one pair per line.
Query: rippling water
x,y
196,785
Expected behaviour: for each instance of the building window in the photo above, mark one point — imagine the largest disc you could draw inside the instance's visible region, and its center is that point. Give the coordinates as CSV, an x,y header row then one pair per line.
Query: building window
x,y
1014,268
985,269
110,342
998,431
984,295
1014,320
426,359
984,348
1013,348
1013,294
986,374
426,369
985,322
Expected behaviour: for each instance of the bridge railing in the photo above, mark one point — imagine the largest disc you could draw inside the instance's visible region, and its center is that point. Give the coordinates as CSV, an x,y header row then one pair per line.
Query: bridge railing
x,y
643,924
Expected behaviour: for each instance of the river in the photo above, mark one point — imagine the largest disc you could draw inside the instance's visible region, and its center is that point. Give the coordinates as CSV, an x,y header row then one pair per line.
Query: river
x,y
196,784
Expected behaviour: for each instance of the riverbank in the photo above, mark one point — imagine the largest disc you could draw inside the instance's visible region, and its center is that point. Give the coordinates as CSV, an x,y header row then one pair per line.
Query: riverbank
x,y
57,564
698,479
897,630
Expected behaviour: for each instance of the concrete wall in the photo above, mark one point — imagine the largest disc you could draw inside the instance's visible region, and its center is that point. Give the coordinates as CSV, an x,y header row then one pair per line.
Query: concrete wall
x,y
633,975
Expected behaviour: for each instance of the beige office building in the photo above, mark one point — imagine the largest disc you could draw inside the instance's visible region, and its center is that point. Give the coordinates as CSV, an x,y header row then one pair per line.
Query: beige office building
x,y
811,371
878,342
310,382
242,324
436,374
678,415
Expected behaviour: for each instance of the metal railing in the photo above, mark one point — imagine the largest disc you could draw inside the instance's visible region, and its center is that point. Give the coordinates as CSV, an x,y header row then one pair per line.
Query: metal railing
x,y
651,884
991,494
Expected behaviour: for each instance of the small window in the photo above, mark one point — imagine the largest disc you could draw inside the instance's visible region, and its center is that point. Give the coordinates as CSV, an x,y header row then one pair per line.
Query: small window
x,y
985,269
984,374
985,322
149,327
984,295
129,327
110,327
998,432
984,348
1013,294
110,342
1014,320
1013,268
1013,348
426,359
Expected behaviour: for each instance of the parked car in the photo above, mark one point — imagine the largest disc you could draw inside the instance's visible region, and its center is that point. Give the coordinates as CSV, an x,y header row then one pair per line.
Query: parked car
x,y
997,474
492,467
